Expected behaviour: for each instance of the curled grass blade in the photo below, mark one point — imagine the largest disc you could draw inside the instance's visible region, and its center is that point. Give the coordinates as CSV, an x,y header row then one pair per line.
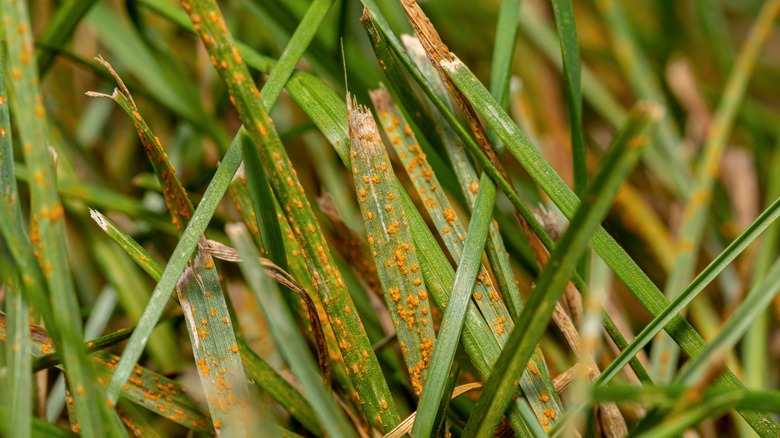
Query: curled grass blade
x,y
614,255
287,337
391,245
354,343
694,217
47,226
499,388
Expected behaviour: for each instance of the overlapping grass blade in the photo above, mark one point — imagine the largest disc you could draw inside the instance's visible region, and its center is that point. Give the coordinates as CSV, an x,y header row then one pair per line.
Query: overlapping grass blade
x,y
47,226
256,367
614,255
499,389
694,217
668,396
753,353
200,294
16,383
146,388
288,340
391,245
537,386
756,302
227,60
697,285
133,294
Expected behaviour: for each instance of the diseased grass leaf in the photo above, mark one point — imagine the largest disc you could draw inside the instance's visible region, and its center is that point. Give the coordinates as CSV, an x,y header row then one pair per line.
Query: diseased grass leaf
x,y
200,294
47,232
391,245
354,344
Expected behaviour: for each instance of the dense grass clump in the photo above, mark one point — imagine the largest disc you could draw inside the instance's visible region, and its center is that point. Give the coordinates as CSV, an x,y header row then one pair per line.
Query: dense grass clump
x,y
384,218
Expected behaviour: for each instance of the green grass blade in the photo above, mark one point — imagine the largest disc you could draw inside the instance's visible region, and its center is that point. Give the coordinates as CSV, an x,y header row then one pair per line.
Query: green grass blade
x,y
454,315
669,396
40,427
756,302
615,256
133,293
47,228
570,53
146,388
200,294
255,366
499,389
373,391
287,338
645,85
470,182
664,353
692,415
18,367
279,389
754,354
390,241
694,288
300,40
59,29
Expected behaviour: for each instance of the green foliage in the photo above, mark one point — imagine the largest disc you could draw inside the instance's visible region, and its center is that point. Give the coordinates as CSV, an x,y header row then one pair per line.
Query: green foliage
x,y
371,290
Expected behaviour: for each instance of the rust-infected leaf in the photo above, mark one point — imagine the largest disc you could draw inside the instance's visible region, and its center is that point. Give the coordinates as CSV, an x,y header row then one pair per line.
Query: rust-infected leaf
x,y
391,244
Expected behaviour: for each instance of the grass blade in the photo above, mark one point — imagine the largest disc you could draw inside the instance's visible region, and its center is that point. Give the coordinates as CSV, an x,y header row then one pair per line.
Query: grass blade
x,y
390,241
756,302
454,315
570,53
200,294
227,60
614,255
499,389
470,183
59,29
47,229
287,337
18,367
697,285
664,353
